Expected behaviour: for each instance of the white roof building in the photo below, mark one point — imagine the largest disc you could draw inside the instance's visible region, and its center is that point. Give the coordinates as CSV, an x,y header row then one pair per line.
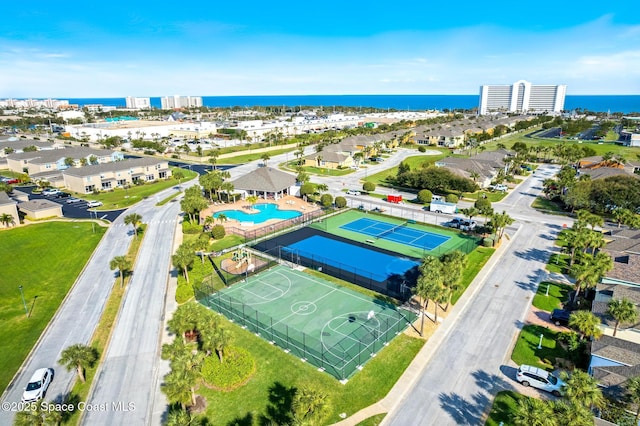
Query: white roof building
x,y
522,96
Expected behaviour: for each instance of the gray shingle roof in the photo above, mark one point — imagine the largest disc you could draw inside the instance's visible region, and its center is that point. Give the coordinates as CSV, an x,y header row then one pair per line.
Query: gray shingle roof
x,y
112,167
265,179
53,155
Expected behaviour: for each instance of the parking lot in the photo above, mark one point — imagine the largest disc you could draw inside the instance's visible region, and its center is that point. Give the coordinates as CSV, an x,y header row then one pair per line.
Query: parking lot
x,y
76,210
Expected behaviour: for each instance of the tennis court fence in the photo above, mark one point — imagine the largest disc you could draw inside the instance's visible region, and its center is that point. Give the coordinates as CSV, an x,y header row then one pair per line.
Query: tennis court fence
x,y
342,359
251,235
396,286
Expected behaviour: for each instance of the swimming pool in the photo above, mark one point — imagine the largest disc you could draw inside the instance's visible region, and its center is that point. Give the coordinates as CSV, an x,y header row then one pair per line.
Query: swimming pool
x,y
265,212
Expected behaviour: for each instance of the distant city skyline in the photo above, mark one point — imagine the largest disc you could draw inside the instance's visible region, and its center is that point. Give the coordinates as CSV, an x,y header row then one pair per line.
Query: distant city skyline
x,y
146,49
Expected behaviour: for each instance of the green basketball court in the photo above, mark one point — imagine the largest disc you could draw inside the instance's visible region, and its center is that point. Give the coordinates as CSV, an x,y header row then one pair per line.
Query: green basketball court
x,y
329,326
340,224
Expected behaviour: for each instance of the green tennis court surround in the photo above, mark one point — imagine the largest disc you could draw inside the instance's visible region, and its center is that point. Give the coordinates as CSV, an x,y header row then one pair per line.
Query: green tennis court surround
x,y
329,326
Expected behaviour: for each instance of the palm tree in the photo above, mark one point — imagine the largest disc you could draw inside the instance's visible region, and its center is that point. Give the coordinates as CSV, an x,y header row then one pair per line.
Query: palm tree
x,y
122,264
622,215
586,323
218,339
470,212
7,220
177,387
133,219
183,259
185,319
178,417
310,406
453,265
34,415
78,356
533,412
213,157
265,157
633,392
582,390
500,222
623,311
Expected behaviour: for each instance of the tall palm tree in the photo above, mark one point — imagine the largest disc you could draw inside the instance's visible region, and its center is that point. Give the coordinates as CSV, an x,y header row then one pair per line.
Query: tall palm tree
x,y
123,265
623,311
470,212
185,319
533,412
7,220
265,157
133,219
183,259
218,339
453,265
586,323
633,392
78,356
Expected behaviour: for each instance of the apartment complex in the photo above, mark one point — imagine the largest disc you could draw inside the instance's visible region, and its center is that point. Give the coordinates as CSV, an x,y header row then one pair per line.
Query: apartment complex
x,y
174,102
138,103
522,96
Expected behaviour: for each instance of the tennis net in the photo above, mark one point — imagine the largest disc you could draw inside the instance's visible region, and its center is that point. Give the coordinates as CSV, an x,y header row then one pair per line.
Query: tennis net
x,y
389,231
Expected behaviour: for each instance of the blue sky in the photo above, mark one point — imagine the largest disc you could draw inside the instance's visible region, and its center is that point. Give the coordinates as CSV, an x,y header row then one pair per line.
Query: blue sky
x,y
141,48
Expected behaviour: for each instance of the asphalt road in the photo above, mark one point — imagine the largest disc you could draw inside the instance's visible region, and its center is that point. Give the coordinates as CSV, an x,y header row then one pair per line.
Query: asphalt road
x,y
471,364
129,371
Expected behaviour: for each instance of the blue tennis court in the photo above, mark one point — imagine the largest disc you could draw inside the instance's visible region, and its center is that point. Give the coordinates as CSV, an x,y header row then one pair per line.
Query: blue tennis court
x,y
379,266
398,233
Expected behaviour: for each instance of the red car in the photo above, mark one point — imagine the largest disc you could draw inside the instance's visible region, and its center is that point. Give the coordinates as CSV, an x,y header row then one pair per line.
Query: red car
x,y
12,181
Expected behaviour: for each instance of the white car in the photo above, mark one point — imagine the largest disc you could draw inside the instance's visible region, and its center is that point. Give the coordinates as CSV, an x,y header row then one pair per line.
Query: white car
x,y
49,192
37,386
353,192
538,378
73,200
94,204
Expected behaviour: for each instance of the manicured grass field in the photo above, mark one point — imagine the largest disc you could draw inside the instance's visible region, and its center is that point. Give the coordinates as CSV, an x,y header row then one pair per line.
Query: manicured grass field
x,y
121,198
245,158
526,350
46,259
558,293
268,393
541,203
415,162
475,262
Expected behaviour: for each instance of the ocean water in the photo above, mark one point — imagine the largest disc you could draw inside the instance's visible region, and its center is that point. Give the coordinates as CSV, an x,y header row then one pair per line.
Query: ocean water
x,y
598,103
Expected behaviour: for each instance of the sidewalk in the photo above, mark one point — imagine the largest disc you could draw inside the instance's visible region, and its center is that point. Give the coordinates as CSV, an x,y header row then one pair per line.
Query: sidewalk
x,y
413,372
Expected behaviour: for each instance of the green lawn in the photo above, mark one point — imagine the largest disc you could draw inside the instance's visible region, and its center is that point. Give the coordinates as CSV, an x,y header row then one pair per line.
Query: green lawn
x,y
373,420
503,406
526,350
475,262
122,198
541,203
557,294
45,258
278,373
320,171
414,162
558,263
246,158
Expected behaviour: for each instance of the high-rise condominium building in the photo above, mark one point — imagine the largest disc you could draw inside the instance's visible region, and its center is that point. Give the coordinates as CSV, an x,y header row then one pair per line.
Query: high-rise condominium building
x,y
172,102
138,103
522,96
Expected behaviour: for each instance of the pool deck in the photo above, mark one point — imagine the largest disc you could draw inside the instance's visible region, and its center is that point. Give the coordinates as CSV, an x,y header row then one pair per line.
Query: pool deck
x,y
288,202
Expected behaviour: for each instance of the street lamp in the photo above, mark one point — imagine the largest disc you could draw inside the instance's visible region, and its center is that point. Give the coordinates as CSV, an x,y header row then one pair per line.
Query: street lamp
x,y
26,311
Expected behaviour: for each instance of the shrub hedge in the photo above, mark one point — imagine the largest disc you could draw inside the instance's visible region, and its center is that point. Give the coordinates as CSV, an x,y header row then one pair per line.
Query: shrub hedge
x,y
235,371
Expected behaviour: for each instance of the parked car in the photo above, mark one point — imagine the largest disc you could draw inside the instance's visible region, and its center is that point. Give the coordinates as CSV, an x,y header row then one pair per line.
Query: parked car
x,y
50,191
73,200
538,378
353,192
63,195
38,384
560,316
94,204
499,187
468,225
454,223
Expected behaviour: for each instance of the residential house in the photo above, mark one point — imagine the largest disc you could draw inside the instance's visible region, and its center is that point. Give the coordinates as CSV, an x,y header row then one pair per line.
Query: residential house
x,y
40,209
14,145
36,162
8,206
118,174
